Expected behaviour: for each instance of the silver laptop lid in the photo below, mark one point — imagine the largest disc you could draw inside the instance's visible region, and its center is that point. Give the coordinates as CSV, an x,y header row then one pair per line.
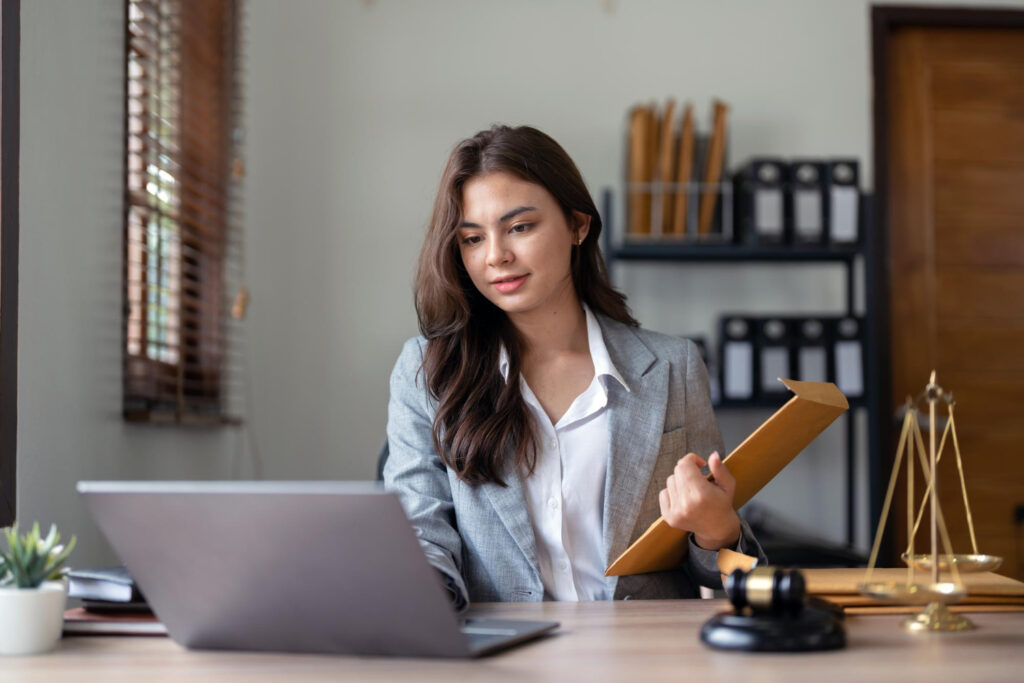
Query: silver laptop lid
x,y
286,566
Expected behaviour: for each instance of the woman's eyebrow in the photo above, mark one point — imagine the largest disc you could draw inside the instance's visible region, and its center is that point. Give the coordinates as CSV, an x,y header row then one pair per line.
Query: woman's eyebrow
x,y
512,213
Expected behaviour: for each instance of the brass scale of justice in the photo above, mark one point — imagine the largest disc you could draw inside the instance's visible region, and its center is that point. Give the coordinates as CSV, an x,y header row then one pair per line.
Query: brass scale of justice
x,y
935,592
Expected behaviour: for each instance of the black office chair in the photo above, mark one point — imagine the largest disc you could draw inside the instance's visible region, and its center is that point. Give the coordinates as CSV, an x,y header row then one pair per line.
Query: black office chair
x,y
786,546
382,458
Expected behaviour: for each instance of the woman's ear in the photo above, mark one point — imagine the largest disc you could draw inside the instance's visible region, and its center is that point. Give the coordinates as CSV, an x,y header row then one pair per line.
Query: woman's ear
x,y
581,226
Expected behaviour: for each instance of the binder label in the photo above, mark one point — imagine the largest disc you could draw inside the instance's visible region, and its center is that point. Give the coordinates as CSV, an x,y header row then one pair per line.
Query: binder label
x,y
739,370
849,371
807,213
844,213
768,211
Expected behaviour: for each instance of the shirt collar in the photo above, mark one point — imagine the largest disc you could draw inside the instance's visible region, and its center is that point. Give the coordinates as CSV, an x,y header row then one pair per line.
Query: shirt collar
x,y
603,366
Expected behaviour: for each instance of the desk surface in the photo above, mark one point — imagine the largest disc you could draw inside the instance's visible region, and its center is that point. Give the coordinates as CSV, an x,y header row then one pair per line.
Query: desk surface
x,y
631,640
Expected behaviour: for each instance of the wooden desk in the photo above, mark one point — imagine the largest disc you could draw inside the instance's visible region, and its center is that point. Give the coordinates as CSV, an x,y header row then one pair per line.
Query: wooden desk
x,y
621,641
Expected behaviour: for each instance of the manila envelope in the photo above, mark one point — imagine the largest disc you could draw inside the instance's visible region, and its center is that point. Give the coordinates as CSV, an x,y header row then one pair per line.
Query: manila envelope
x,y
755,462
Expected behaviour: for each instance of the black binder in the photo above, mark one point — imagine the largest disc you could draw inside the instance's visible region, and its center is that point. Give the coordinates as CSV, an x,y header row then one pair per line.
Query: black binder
x,y
737,358
760,188
813,360
775,351
844,201
848,354
807,207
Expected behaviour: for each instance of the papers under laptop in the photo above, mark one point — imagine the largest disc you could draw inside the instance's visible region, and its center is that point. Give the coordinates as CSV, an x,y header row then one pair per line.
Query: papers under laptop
x,y
330,567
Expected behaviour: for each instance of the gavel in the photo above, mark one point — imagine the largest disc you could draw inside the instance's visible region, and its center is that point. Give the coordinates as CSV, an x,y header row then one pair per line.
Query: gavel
x,y
772,612
767,589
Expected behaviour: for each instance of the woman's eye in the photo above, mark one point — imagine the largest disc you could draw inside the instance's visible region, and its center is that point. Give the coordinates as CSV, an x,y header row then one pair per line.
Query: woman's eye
x,y
471,239
522,227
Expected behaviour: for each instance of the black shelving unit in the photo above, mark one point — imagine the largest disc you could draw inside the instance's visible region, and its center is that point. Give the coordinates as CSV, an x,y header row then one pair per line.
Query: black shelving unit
x,y
686,251
667,250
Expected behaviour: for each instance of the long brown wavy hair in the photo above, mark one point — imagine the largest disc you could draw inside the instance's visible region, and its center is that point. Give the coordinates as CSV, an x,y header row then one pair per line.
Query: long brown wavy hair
x,y
480,417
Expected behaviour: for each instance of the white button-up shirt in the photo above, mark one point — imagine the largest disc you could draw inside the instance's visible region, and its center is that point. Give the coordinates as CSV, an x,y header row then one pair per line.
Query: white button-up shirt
x,y
565,494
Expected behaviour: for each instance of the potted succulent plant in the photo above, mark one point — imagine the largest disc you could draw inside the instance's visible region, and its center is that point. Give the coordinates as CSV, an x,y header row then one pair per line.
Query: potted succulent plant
x,y
33,591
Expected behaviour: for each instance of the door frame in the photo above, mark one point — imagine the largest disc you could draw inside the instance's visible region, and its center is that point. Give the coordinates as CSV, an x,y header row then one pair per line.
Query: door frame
x,y
885,21
10,108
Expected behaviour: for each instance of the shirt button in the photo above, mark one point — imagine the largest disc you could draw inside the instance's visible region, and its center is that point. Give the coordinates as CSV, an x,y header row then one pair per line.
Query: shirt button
x,y
553,503
553,444
564,565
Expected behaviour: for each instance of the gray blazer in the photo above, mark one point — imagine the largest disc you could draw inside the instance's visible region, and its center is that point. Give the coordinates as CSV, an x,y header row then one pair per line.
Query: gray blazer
x,y
480,538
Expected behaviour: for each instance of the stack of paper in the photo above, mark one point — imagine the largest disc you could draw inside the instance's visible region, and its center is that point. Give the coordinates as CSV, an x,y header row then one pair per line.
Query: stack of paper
x,y
986,591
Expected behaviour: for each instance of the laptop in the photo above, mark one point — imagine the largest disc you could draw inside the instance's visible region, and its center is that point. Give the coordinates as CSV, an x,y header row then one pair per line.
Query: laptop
x,y
326,567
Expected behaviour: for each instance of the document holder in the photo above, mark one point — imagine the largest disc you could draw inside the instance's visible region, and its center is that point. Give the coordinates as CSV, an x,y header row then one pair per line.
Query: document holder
x,y
755,462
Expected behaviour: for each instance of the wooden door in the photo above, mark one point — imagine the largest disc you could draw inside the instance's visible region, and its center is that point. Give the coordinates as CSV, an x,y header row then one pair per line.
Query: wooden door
x,y
955,126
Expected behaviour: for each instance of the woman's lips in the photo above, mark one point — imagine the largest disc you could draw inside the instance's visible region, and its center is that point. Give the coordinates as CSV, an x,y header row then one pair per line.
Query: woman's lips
x,y
509,286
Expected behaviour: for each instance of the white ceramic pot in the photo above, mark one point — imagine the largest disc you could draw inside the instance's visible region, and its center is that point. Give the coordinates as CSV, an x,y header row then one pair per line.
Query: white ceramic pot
x,y
31,619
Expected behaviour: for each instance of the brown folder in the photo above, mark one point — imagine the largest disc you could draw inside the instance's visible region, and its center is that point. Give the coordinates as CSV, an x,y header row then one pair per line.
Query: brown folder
x,y
79,621
755,462
730,560
987,591
684,171
847,582
643,144
666,168
713,169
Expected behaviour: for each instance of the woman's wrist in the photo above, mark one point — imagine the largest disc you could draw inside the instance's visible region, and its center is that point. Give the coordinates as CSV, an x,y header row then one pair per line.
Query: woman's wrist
x,y
727,538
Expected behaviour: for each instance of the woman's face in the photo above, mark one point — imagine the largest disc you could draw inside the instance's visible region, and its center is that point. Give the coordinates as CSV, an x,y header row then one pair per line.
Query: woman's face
x,y
516,244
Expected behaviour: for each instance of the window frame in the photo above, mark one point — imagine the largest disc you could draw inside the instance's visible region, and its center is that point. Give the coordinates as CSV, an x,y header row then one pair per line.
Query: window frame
x,y
162,389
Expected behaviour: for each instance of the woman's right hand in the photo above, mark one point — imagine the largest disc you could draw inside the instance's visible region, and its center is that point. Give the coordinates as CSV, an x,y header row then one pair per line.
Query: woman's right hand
x,y
702,506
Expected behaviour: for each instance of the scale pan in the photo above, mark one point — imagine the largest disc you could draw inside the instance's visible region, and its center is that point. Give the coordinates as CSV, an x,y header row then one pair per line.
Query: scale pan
x,y
964,563
914,594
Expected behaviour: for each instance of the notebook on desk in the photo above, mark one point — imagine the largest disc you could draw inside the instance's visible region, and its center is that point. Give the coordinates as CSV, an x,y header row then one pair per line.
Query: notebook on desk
x,y
328,567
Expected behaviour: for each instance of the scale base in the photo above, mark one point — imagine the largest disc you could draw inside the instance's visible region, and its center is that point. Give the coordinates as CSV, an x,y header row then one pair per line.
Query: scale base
x,y
937,617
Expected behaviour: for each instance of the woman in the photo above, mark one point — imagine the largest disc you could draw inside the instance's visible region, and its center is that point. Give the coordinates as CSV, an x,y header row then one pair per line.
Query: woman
x,y
535,430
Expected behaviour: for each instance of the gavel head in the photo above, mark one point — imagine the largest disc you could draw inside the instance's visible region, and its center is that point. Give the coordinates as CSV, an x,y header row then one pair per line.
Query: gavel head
x,y
767,589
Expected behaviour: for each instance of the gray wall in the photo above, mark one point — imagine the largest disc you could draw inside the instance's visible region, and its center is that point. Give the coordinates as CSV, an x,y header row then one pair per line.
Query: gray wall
x,y
352,107
69,364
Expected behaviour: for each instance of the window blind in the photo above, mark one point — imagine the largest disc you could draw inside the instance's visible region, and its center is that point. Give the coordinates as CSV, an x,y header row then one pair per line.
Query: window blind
x,y
182,176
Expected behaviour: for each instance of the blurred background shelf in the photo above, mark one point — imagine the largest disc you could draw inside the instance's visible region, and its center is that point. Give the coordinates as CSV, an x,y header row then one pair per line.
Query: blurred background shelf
x,y
731,250
671,250
773,404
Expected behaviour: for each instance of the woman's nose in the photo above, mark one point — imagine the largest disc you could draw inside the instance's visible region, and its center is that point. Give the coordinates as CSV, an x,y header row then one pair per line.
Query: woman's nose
x,y
498,252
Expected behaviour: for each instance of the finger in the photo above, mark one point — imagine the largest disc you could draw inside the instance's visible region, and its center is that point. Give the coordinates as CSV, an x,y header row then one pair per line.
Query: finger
x,y
670,490
688,470
691,460
663,502
690,490
679,489
723,477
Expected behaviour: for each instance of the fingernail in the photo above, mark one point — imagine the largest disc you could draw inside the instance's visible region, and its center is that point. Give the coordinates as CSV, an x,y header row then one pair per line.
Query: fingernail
x,y
715,455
